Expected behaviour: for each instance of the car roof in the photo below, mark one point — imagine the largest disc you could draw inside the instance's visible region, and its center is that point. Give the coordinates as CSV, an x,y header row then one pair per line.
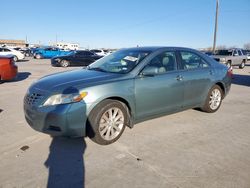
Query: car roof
x,y
155,48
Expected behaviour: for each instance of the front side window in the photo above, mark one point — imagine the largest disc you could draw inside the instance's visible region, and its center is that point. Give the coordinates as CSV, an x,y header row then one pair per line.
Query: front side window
x,y
122,61
235,53
239,52
162,63
6,50
191,60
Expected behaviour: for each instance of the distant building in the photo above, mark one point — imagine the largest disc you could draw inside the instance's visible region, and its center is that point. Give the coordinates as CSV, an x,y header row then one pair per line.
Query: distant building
x,y
14,43
67,46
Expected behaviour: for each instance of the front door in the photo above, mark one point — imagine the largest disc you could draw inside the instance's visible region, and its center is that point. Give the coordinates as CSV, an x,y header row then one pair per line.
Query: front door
x,y
161,91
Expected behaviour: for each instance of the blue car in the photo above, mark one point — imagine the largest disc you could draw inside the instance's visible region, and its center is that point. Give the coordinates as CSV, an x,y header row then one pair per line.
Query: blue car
x,y
124,88
49,52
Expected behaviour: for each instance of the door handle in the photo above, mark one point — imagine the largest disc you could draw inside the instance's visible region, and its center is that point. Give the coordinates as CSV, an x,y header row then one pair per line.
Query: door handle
x,y
211,72
179,78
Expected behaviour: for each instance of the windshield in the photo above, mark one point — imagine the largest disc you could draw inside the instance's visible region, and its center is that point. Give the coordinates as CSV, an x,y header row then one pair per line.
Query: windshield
x,y
224,52
122,61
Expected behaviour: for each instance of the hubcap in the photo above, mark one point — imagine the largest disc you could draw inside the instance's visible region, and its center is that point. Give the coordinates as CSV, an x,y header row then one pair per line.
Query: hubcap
x,y
215,99
111,123
64,63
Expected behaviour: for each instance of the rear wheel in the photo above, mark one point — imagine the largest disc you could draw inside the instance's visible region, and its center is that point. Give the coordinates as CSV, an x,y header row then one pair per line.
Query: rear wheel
x,y
213,100
229,64
243,64
64,63
107,122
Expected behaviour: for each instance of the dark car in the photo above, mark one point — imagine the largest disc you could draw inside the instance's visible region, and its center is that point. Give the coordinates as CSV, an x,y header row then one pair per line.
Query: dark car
x,y
75,58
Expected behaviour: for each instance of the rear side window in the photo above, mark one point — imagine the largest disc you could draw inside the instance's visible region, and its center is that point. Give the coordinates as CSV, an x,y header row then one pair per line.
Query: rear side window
x,y
191,60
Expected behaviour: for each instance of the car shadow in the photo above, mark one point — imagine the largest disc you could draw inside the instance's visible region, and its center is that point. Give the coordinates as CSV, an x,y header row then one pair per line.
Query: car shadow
x,y
66,162
22,60
22,76
66,158
243,80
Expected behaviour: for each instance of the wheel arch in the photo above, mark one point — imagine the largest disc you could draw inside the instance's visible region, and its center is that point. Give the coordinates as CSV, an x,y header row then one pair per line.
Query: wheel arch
x,y
124,101
221,85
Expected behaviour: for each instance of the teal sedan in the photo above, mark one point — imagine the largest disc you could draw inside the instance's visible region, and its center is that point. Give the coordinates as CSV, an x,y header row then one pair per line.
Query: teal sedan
x,y
124,88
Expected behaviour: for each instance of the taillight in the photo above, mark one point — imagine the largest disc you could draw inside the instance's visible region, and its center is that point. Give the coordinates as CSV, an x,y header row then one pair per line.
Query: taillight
x,y
230,72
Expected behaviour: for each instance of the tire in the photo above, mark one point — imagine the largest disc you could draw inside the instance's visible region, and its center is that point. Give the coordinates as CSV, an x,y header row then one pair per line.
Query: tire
x,y
229,64
213,103
15,58
101,128
64,63
243,64
38,56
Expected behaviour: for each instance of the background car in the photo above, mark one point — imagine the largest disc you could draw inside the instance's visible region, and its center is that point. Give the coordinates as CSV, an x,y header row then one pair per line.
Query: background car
x,y
75,58
8,69
124,88
8,51
231,57
99,52
49,52
26,51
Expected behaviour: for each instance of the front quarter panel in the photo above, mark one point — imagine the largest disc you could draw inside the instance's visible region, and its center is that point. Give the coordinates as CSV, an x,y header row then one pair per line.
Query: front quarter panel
x,y
118,89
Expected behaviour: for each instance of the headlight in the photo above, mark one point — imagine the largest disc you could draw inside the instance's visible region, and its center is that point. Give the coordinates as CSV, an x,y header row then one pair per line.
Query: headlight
x,y
56,59
222,59
64,99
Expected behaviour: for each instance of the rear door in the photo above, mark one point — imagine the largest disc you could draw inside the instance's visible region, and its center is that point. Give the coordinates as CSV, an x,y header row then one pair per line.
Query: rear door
x,y
197,77
160,92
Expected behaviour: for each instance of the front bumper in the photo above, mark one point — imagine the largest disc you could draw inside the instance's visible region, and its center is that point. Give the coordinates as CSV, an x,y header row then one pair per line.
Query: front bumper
x,y
60,120
55,63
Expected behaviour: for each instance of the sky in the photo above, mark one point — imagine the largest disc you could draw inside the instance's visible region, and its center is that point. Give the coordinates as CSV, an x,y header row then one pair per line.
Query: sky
x,y
126,23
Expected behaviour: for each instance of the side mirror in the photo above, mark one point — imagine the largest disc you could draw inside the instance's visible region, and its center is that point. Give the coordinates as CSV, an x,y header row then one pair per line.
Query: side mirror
x,y
236,54
150,71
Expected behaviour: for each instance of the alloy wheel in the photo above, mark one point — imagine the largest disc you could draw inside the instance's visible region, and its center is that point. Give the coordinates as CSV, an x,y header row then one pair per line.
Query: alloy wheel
x,y
111,123
215,99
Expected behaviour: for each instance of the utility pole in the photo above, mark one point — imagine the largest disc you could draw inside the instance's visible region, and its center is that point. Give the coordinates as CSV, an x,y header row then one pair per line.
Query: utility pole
x,y
56,38
216,25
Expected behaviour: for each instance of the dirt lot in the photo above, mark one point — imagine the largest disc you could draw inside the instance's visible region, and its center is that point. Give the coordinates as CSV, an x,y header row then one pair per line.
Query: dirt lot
x,y
187,149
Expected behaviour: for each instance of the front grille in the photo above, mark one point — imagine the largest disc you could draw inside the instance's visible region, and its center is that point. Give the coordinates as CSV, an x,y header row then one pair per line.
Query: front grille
x,y
33,98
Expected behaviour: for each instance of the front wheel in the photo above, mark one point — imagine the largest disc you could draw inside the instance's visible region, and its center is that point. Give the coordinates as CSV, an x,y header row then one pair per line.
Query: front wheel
x,y
38,56
107,122
213,100
64,63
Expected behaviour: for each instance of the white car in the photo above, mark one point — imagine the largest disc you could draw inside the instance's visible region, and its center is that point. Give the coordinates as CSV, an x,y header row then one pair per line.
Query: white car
x,y
8,51
99,52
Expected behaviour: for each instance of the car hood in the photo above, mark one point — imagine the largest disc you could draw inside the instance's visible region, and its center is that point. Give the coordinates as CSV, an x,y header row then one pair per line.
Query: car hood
x,y
80,78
